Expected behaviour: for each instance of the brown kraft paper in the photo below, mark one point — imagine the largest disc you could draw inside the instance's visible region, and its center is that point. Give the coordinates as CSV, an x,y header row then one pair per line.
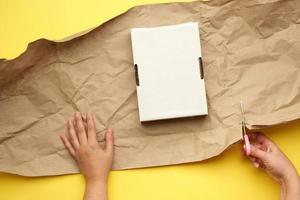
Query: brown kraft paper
x,y
251,51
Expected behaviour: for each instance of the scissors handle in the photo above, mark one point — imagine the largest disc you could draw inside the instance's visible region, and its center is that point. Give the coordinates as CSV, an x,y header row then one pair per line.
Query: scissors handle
x,y
247,147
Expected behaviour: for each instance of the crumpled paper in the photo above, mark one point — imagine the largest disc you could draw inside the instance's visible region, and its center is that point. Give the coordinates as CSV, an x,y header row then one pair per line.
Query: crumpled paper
x,y
250,51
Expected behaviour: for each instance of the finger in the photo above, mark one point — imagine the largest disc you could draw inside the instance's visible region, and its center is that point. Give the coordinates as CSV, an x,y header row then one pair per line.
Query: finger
x,y
258,153
252,158
67,144
92,137
80,130
263,147
253,136
72,135
256,164
263,139
260,162
257,145
262,166
109,141
85,123
244,151
254,161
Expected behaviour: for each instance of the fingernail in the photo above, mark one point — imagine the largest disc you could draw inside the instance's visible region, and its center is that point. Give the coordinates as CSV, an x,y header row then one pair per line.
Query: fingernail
x,y
256,165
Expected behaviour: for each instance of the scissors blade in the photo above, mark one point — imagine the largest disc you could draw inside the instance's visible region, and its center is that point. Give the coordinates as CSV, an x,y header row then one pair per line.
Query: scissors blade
x,y
245,137
243,117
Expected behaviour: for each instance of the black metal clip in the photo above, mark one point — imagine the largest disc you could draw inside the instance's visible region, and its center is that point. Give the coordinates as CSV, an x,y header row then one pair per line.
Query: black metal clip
x,y
201,68
137,81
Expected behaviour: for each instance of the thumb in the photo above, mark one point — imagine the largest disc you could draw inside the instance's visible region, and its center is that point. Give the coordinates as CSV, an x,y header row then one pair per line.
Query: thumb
x,y
109,141
258,153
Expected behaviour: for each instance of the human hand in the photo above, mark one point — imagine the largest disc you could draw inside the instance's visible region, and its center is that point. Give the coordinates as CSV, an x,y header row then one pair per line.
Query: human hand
x,y
266,155
94,162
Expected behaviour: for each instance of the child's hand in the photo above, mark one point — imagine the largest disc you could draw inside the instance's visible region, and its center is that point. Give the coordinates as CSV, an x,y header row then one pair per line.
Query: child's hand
x,y
94,162
266,155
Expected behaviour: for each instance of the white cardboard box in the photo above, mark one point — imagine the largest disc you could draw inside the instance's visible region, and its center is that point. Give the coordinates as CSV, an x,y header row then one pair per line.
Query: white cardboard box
x,y
168,70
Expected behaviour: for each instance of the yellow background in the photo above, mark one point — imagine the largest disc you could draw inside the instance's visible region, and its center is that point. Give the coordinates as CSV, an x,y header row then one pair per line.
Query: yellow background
x,y
229,176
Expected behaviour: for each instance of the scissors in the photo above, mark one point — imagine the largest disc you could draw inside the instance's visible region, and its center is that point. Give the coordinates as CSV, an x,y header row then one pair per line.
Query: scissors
x,y
247,147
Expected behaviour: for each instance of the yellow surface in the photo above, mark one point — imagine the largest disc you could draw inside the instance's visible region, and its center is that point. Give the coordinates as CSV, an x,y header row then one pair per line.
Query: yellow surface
x,y
24,21
228,176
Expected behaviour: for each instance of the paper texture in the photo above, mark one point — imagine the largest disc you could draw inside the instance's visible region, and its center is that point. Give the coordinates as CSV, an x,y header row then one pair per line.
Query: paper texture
x,y
169,84
250,50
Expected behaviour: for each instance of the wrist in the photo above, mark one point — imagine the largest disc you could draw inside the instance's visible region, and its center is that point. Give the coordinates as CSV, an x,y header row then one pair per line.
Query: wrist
x,y
100,178
96,181
291,188
95,189
286,174
290,181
